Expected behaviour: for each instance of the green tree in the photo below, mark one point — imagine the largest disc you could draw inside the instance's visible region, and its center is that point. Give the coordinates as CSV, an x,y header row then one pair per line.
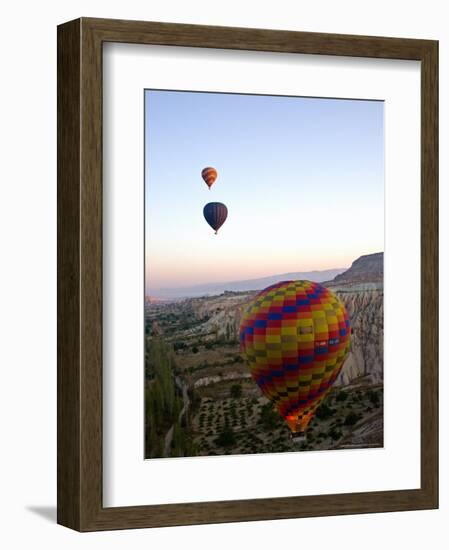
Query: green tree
x,y
269,418
324,412
351,419
236,391
161,403
334,434
342,396
177,443
374,398
226,437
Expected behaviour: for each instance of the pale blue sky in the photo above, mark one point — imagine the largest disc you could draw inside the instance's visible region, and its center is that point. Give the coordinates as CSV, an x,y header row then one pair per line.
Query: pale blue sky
x,y
303,180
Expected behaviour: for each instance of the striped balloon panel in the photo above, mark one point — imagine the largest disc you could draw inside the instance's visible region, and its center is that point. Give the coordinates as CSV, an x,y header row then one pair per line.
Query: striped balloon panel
x,y
215,214
295,337
209,175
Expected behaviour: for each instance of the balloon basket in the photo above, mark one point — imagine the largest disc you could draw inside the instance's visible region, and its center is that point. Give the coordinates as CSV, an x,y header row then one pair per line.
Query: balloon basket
x,y
298,437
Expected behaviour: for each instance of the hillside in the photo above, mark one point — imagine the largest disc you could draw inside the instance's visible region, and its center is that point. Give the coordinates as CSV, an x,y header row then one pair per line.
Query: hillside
x,y
366,269
361,290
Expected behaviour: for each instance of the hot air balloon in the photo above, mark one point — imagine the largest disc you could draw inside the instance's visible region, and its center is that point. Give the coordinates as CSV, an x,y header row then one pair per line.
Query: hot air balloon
x,y
295,337
209,175
215,214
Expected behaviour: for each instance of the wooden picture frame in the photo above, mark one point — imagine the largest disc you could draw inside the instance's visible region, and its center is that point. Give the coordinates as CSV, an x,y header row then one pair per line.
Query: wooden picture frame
x,y
80,504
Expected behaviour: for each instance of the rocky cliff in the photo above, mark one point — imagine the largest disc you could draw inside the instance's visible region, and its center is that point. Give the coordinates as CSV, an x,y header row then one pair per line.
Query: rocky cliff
x,y
361,290
366,269
365,309
222,314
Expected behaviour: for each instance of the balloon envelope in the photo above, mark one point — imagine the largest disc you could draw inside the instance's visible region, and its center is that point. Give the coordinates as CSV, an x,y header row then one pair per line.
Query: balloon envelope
x,y
209,175
215,214
295,337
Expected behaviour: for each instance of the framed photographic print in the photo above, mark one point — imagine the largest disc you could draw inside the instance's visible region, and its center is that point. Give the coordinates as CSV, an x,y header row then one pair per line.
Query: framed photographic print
x,y
247,274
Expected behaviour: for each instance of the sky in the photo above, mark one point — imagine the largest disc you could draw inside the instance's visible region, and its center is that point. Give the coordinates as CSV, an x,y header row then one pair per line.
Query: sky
x,y
302,178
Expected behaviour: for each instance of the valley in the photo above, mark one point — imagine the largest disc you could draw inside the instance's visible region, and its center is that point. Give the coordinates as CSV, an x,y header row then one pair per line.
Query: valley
x,y
212,404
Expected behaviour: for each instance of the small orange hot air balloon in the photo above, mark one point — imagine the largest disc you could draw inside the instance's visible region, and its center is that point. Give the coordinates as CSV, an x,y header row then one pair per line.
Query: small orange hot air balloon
x,y
209,175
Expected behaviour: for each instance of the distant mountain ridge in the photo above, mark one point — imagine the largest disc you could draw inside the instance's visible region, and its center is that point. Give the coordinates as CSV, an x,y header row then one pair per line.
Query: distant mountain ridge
x,y
366,271
210,289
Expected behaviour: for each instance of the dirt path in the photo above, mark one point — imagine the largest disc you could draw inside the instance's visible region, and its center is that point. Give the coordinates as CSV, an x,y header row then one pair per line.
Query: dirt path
x,y
182,412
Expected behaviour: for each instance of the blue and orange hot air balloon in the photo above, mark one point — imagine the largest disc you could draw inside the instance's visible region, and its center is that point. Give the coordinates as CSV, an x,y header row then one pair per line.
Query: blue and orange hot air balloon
x,y
215,214
295,337
209,175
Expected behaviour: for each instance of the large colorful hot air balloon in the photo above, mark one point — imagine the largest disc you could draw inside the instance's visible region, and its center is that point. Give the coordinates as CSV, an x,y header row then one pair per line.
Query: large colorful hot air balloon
x,y
215,214
209,175
295,337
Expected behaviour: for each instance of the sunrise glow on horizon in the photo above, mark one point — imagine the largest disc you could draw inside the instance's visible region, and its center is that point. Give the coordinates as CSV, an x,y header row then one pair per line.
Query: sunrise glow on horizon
x,y
303,180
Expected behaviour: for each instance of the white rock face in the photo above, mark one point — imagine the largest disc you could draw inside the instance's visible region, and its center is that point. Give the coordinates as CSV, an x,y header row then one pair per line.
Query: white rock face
x,y
365,308
222,314
366,312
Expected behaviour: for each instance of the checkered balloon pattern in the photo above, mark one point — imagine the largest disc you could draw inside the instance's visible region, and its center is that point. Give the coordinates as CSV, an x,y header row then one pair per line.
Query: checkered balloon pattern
x,y
295,337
